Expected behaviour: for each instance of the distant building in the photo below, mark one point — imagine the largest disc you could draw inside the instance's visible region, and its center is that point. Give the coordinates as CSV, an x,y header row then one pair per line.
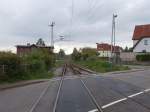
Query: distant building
x,y
141,38
25,49
104,50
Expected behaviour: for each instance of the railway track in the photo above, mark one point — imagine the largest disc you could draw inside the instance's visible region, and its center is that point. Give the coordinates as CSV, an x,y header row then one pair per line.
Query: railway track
x,y
78,72
60,86
34,106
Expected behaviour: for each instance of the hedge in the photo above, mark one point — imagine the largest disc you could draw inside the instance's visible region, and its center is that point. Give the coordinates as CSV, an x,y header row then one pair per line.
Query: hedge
x,y
36,63
143,57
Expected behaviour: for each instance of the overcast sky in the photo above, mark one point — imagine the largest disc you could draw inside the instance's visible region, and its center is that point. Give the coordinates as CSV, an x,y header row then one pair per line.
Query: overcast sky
x,y
82,22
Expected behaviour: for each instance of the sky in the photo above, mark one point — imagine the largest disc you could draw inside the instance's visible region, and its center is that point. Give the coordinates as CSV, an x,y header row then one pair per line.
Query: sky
x,y
83,23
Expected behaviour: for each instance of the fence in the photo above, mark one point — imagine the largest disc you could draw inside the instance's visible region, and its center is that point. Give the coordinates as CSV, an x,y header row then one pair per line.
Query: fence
x,y
5,68
2,69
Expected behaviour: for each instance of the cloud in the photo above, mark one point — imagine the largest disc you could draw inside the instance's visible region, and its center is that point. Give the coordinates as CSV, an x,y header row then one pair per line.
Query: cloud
x,y
23,21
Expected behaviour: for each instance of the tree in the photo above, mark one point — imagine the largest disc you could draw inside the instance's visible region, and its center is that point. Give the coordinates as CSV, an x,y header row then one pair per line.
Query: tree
x,y
126,49
61,54
40,42
130,49
88,52
76,55
40,59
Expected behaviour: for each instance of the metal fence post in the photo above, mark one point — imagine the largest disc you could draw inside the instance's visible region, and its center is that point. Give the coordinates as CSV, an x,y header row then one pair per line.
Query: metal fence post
x,y
3,69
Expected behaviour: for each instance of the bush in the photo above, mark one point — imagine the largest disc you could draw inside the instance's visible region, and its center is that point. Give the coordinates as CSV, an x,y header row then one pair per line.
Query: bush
x,y
34,65
92,58
39,61
13,69
143,57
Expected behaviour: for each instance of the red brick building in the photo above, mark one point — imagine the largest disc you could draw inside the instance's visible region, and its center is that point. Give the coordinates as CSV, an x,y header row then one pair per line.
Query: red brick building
x,y
25,49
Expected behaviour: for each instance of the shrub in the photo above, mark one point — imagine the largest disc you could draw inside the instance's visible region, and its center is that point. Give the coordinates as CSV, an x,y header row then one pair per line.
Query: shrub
x,y
143,57
40,60
35,64
13,69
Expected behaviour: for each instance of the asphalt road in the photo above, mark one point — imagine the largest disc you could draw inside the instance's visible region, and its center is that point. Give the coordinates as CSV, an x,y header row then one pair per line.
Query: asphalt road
x,y
125,92
20,99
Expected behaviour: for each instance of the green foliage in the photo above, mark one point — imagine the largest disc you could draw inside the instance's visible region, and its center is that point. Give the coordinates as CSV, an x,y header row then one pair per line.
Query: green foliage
x,y
84,54
41,59
61,54
12,68
34,65
101,66
76,55
143,57
89,51
40,42
92,58
128,49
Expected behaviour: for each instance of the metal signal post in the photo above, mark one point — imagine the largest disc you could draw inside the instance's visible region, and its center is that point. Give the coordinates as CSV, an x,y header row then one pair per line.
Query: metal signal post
x,y
52,33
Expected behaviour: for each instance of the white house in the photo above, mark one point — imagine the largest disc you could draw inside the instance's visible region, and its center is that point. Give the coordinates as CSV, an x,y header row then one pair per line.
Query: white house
x,y
104,50
141,39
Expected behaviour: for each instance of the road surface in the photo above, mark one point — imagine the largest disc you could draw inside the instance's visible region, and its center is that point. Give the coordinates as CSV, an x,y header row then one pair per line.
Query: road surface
x,y
124,92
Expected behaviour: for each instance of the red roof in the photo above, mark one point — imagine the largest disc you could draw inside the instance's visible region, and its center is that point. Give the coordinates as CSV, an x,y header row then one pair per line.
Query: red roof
x,y
107,47
104,46
141,31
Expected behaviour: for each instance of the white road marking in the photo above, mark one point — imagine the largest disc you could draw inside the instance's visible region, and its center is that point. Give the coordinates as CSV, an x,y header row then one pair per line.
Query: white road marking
x,y
136,94
94,110
147,90
123,99
112,103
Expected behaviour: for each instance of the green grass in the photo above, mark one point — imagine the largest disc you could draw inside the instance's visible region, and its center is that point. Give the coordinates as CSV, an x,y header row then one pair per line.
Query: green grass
x,y
101,66
59,63
45,75
29,76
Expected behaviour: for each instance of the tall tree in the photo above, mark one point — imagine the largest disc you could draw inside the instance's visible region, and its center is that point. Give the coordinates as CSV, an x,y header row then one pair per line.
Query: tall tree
x,y
40,42
126,49
76,55
61,54
89,51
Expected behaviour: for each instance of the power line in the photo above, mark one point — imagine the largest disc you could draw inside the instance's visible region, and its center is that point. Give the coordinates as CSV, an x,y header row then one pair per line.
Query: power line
x,y
93,7
71,20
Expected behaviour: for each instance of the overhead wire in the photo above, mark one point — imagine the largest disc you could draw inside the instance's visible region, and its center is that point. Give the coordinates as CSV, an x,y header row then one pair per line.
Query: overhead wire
x,y
92,4
92,8
71,19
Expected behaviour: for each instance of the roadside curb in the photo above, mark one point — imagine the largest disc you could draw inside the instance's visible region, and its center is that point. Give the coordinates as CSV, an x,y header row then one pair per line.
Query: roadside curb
x,y
126,71
115,72
21,84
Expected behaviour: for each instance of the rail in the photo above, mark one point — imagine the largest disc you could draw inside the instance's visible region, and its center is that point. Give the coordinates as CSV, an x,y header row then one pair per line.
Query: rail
x,y
72,66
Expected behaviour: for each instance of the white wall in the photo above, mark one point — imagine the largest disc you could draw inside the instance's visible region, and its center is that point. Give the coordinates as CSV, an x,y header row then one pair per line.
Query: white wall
x,y
104,53
140,47
128,56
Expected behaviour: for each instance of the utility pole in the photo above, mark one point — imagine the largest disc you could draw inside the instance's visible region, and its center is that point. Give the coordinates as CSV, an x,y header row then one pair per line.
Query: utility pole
x,y
52,33
113,39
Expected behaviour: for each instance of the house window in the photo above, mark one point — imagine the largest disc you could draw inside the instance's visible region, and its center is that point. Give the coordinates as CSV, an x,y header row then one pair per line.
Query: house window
x,y
145,42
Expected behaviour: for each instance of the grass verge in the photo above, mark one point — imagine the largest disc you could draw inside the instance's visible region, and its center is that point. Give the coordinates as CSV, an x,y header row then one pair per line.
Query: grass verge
x,y
101,66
